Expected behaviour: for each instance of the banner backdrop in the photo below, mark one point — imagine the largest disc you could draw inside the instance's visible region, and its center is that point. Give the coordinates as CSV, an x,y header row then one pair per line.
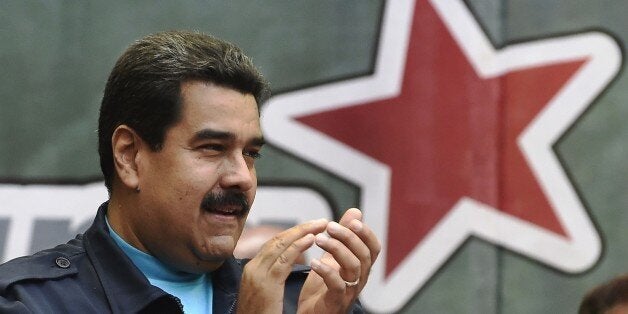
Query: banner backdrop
x,y
484,140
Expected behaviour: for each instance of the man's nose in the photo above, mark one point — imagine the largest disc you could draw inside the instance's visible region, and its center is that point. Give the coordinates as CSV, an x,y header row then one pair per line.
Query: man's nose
x,y
237,174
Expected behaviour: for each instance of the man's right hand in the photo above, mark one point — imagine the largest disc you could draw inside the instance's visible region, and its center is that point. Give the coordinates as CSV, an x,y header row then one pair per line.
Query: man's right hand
x,y
264,277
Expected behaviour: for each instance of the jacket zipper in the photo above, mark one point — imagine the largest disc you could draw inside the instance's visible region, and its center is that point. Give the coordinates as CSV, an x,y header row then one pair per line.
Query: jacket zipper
x,y
179,303
233,305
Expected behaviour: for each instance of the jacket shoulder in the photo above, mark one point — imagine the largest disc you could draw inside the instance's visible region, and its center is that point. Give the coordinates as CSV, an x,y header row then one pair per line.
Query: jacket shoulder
x,y
49,264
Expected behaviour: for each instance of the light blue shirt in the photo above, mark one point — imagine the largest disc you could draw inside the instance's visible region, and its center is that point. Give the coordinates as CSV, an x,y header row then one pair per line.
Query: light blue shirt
x,y
195,291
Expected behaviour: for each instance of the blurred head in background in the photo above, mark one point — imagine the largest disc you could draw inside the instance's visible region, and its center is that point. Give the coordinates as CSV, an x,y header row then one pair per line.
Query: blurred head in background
x,y
608,298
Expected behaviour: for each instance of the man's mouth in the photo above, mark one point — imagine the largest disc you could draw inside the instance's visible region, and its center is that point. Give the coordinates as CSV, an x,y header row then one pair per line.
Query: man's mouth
x,y
229,210
229,203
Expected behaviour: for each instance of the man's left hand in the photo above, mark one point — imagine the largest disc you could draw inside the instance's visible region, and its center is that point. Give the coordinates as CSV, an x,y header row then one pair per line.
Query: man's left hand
x,y
339,276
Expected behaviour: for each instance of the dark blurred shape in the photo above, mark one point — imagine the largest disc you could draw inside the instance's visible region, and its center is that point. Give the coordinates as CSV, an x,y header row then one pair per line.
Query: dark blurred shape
x,y
608,298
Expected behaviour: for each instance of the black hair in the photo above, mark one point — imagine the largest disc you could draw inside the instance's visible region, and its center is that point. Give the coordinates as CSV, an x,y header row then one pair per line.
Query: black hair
x,y
144,88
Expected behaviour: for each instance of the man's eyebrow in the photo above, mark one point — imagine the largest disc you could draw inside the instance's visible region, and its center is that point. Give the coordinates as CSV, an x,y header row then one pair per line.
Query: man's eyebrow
x,y
210,134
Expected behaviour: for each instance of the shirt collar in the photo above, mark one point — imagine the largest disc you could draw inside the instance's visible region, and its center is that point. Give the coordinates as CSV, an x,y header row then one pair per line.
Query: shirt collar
x,y
126,288
150,266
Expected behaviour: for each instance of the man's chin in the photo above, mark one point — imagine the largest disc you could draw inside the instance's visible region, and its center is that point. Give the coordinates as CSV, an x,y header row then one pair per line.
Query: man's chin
x,y
216,249
204,263
208,266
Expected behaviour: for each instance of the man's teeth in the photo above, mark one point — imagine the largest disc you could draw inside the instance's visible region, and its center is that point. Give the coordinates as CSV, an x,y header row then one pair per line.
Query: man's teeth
x,y
229,211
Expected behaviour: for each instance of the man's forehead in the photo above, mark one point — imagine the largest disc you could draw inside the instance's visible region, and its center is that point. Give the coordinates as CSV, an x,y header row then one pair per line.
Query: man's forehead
x,y
205,100
189,84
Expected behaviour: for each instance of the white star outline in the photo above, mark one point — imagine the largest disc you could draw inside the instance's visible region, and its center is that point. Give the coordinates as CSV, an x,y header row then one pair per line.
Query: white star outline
x,y
575,253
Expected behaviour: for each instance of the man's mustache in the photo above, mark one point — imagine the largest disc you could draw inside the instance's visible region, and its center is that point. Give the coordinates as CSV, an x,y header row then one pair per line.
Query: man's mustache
x,y
217,202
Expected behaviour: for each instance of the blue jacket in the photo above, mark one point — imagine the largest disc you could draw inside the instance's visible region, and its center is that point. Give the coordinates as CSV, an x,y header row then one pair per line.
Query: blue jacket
x,y
90,274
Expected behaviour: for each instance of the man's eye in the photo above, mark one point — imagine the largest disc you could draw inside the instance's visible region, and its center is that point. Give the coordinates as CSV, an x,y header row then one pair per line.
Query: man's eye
x,y
214,147
253,154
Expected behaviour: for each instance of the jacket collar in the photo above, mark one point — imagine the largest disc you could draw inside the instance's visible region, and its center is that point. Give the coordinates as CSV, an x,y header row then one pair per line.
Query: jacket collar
x,y
128,290
226,281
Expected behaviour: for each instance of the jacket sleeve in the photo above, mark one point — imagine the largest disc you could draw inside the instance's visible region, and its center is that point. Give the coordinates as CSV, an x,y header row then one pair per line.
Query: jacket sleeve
x,y
23,282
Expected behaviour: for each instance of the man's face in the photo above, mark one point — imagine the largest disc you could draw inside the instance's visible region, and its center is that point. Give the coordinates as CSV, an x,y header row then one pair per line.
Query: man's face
x,y
196,191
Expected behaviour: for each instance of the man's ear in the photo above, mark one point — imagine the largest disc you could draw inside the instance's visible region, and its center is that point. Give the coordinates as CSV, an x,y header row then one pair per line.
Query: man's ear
x,y
126,145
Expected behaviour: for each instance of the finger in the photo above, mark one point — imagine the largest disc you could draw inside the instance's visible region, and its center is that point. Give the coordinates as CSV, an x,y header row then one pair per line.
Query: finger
x,y
367,236
352,218
330,276
349,263
357,247
349,215
279,243
283,264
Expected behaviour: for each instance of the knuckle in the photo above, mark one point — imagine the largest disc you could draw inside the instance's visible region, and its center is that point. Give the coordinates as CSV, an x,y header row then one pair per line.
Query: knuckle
x,y
378,247
295,246
300,228
251,274
367,256
276,272
250,266
283,259
279,242
377,250
357,268
338,287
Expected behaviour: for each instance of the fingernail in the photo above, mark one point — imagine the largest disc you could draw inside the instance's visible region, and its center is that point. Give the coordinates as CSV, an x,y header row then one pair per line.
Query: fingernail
x,y
321,238
355,225
334,226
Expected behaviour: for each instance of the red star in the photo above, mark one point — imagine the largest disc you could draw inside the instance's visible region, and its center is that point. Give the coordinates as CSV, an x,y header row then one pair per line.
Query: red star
x,y
451,138
450,134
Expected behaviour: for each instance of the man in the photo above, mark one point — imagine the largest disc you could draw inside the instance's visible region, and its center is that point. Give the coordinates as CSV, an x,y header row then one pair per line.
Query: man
x,y
179,133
